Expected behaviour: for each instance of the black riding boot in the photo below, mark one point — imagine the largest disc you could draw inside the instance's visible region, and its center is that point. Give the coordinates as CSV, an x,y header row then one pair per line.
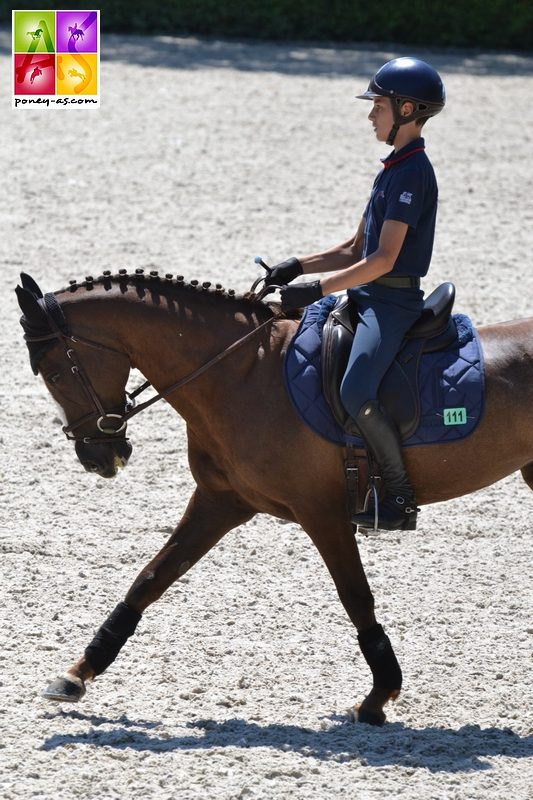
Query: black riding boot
x,y
397,510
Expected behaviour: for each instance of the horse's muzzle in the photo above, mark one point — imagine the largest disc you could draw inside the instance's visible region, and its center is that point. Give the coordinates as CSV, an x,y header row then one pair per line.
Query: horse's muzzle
x,y
104,458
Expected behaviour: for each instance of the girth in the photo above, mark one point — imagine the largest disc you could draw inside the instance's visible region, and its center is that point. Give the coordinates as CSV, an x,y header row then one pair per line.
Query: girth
x,y
399,390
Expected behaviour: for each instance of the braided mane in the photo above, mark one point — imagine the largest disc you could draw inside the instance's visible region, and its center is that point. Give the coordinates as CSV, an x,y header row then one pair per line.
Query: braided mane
x,y
161,283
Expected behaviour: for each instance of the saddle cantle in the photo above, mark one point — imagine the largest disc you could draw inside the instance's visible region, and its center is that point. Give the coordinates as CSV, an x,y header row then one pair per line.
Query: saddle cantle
x,y
399,391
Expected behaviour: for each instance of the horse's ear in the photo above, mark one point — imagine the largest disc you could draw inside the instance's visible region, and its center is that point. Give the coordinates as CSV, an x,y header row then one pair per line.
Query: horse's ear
x,y
29,305
29,283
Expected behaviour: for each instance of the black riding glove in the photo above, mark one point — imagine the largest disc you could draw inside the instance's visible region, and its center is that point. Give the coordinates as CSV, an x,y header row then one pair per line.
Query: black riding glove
x,y
301,294
284,273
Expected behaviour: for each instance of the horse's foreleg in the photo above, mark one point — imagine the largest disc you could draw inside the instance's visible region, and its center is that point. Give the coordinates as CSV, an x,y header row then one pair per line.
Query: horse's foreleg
x,y
336,543
208,517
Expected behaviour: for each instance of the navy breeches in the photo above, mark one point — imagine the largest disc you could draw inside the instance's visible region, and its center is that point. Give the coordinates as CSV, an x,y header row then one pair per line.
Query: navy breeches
x,y
383,321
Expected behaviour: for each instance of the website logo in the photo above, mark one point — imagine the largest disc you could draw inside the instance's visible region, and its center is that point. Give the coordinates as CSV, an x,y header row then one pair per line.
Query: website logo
x,y
56,59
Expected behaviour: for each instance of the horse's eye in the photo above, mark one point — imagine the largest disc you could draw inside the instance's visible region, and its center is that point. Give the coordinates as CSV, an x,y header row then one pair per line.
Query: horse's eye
x,y
54,378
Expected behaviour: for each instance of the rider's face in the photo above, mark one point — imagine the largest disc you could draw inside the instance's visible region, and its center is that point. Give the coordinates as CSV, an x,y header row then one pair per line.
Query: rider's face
x,y
381,117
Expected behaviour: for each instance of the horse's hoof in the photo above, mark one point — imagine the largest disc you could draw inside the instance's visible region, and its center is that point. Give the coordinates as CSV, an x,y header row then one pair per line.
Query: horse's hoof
x,y
65,689
362,714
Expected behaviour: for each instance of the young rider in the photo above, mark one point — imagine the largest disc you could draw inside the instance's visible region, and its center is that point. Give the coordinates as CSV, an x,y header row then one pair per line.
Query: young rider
x,y
381,266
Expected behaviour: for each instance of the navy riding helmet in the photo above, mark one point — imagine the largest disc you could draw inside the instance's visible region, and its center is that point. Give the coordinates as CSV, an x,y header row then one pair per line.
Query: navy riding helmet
x,y
407,79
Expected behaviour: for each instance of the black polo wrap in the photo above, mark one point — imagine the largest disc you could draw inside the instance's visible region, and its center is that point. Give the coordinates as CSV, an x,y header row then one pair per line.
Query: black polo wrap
x,y
376,648
111,637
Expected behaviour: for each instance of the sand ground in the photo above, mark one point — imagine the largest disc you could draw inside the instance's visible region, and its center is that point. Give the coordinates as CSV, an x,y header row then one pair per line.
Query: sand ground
x,y
203,154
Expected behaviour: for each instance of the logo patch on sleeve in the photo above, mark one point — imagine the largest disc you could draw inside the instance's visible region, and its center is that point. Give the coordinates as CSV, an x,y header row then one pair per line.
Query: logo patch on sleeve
x,y
406,197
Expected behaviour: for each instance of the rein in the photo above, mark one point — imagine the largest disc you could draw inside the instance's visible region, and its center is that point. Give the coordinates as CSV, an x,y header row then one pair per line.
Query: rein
x,y
132,410
192,375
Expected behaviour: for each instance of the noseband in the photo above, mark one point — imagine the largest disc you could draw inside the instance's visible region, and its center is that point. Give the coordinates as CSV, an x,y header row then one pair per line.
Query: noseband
x,y
131,409
99,413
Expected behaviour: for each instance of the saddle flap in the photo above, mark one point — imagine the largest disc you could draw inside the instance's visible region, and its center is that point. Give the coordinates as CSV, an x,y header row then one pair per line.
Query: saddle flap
x,y
337,338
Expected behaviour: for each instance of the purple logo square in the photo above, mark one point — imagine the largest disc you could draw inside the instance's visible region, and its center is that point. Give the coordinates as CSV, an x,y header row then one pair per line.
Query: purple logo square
x,y
76,32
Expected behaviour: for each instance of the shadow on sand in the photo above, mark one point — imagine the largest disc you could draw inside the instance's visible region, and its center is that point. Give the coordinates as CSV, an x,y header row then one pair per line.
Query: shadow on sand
x,y
435,749
297,58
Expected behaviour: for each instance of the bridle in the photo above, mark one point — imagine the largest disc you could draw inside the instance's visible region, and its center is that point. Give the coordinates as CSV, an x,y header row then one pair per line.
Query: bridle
x,y
120,421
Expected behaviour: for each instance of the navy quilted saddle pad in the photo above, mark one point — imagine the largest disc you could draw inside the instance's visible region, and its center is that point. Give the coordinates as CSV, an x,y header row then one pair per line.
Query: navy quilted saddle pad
x,y
451,383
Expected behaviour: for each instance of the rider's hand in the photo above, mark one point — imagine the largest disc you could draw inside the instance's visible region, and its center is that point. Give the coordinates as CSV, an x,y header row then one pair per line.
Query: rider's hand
x,y
284,273
300,294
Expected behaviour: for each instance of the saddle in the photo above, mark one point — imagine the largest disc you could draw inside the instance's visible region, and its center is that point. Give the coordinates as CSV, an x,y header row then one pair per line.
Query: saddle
x,y
399,391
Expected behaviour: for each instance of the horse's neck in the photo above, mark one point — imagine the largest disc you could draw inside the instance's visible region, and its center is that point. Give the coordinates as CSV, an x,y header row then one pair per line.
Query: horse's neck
x,y
169,347
168,338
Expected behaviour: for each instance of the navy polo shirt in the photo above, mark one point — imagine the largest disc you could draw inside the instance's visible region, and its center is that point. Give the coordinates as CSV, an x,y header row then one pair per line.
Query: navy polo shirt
x,y
405,190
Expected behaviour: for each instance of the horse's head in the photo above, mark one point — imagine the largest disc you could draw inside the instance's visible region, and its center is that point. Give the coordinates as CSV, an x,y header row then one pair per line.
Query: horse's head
x,y
86,379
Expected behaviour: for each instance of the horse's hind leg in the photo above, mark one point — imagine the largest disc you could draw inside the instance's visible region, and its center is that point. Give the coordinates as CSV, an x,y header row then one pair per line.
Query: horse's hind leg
x,y
208,517
527,474
333,536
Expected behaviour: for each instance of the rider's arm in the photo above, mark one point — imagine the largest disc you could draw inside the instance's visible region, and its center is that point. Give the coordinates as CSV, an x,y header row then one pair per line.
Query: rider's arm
x,y
373,266
338,257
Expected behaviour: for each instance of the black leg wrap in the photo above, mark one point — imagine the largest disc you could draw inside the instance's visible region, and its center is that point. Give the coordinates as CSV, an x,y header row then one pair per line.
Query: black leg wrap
x,y
111,637
376,647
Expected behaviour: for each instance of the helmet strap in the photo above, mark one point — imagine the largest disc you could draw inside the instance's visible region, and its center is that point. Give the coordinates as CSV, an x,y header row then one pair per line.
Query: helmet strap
x,y
392,135
420,110
399,119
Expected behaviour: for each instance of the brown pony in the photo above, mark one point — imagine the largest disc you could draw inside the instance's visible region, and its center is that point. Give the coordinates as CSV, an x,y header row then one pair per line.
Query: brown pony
x,y
248,451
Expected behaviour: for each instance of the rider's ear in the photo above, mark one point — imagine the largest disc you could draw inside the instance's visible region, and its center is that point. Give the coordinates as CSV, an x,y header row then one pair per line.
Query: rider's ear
x,y
29,283
29,305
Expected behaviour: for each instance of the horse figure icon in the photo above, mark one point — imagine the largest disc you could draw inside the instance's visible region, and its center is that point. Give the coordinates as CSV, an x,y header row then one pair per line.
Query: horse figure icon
x,y
36,72
75,74
35,35
75,32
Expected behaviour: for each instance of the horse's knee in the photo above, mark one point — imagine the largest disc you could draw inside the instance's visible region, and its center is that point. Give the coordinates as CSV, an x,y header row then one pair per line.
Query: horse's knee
x,y
146,589
155,579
